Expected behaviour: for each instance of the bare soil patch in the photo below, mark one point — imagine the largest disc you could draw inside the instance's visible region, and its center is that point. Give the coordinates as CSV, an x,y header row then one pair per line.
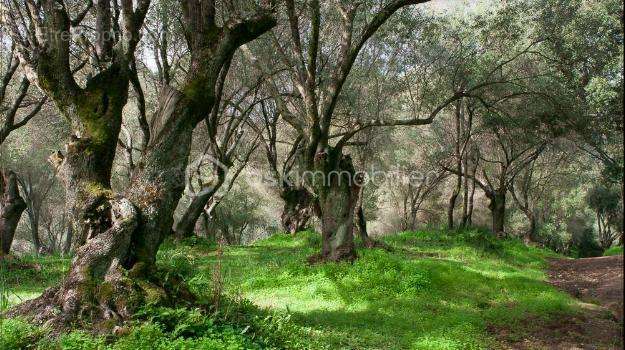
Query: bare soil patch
x,y
598,284
593,280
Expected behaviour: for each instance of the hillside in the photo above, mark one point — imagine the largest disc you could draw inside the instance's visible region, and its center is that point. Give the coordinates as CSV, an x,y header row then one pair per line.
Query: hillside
x,y
432,291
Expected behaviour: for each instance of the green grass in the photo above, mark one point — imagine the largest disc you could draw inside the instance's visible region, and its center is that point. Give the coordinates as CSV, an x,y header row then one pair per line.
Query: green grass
x,y
434,291
30,278
613,251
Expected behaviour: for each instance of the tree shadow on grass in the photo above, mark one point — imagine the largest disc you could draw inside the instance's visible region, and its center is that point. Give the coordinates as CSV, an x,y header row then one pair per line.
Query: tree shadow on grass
x,y
394,300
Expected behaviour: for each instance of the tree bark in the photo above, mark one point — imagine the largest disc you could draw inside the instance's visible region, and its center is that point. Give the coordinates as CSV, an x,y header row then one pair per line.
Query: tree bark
x,y
297,208
454,196
361,225
466,193
452,203
158,185
86,166
338,197
67,245
98,286
186,225
337,221
532,232
11,207
469,220
361,221
497,207
34,230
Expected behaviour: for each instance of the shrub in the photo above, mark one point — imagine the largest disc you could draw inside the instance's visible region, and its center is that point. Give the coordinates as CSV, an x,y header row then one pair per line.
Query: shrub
x,y
613,251
18,335
81,341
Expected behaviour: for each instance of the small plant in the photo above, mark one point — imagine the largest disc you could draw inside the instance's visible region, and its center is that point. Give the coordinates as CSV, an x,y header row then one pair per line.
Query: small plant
x,y
16,334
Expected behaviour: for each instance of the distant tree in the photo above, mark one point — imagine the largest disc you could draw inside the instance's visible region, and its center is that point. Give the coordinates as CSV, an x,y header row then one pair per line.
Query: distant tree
x,y
311,101
604,200
584,44
18,105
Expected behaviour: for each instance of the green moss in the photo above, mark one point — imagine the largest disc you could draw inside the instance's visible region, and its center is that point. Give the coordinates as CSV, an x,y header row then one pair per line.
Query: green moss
x,y
106,291
98,190
153,294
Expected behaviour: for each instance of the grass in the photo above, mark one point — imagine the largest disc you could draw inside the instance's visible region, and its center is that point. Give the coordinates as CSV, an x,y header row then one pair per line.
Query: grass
x,y
434,291
614,251
28,277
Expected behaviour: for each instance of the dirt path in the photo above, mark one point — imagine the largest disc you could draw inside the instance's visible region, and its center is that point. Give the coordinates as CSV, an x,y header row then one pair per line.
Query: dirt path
x,y
598,284
593,280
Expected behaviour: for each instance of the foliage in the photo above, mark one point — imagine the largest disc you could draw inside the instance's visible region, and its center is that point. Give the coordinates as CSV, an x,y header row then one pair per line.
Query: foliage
x,y
25,278
17,334
613,251
605,201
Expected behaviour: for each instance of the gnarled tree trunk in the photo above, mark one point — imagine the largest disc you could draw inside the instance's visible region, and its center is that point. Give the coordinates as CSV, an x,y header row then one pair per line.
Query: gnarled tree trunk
x,y
11,208
297,209
89,285
157,187
186,225
497,207
338,197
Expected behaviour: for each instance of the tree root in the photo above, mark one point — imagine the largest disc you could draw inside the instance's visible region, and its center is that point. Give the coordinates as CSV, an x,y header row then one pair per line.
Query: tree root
x,y
99,291
100,308
346,255
372,244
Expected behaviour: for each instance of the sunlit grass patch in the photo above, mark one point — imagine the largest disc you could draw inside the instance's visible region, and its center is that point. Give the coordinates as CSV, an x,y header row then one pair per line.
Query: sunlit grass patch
x,y
25,278
613,251
435,290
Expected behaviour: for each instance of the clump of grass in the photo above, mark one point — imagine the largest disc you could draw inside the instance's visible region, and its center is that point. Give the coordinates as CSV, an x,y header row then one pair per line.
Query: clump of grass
x,y
25,278
613,251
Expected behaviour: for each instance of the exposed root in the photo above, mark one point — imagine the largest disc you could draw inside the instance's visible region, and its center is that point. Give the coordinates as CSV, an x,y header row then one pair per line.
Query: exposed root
x,y
346,255
100,308
99,291
372,244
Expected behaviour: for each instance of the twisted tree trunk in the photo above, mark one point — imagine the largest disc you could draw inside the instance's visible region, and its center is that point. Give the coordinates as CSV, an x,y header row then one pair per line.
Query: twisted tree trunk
x,y
497,207
11,207
159,184
338,197
297,209
186,225
99,288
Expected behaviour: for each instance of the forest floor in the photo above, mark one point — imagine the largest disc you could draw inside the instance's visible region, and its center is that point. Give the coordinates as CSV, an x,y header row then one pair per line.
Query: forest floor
x,y
598,284
434,290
